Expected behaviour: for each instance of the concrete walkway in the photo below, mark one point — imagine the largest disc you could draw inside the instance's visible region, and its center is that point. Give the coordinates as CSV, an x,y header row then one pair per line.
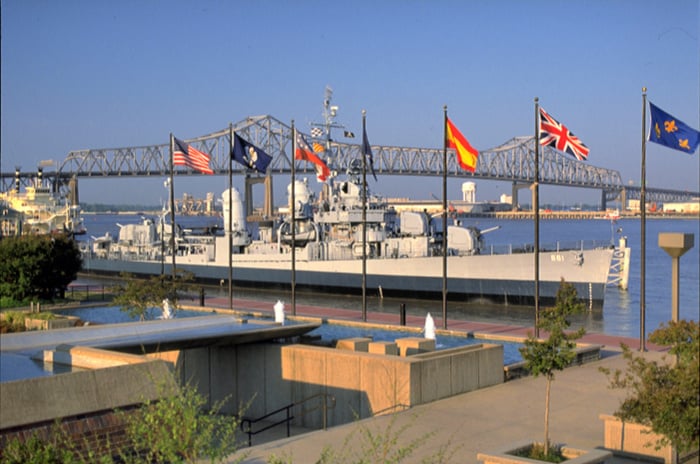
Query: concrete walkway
x,y
478,329
478,421
464,425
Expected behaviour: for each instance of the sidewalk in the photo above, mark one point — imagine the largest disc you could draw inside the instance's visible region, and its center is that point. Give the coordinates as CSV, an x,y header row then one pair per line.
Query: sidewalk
x,y
474,422
479,421
477,329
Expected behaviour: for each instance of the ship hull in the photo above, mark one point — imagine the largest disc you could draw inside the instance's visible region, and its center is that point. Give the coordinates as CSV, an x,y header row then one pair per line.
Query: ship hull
x,y
497,278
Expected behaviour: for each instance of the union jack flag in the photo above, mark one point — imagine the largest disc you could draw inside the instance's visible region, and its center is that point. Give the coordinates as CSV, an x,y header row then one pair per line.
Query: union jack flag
x,y
555,134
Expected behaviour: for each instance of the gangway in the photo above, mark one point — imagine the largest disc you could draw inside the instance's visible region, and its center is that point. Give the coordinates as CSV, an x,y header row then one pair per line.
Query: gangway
x,y
620,265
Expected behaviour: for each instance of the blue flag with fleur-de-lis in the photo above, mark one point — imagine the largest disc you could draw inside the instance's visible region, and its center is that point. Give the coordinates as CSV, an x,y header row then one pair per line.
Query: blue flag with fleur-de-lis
x,y
672,132
249,155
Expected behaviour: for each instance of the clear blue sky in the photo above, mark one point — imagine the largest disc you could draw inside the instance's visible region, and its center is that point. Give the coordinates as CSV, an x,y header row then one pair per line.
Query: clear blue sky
x,y
92,74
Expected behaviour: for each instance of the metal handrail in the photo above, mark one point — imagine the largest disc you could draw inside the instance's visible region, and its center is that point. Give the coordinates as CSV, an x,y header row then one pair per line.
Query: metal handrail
x,y
247,423
397,407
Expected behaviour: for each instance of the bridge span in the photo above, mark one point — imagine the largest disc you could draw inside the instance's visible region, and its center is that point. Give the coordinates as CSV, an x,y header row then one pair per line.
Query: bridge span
x,y
511,161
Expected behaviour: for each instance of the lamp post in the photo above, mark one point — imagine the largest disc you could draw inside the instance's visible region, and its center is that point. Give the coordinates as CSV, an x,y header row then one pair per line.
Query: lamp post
x,y
675,244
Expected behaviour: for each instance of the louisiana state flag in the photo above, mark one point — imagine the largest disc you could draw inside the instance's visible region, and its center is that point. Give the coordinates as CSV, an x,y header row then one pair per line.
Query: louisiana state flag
x,y
249,155
672,132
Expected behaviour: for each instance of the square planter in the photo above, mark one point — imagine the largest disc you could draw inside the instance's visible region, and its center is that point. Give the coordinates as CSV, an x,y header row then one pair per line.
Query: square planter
x,y
635,440
504,455
58,322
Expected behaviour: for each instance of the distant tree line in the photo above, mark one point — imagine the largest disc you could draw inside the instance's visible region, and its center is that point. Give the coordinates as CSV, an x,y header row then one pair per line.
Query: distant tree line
x,y
105,208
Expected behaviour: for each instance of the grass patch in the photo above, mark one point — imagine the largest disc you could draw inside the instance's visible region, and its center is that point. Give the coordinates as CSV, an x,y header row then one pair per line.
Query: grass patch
x,y
12,321
44,316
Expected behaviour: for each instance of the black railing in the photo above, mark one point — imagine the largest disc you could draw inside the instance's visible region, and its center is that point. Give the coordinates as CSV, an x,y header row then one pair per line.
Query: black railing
x,y
247,423
88,292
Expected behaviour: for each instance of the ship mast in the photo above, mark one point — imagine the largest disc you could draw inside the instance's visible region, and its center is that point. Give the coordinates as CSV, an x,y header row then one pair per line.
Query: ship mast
x,y
329,114
321,131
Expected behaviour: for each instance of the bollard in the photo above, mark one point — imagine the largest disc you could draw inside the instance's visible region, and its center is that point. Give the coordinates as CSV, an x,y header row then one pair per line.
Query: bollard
x,y
403,313
201,296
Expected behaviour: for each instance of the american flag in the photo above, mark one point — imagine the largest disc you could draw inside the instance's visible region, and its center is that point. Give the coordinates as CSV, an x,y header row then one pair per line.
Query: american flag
x,y
555,134
186,155
316,132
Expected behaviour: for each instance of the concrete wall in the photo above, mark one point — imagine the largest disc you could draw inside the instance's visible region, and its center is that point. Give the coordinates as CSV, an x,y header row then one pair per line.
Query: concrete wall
x,y
82,404
47,398
268,376
261,377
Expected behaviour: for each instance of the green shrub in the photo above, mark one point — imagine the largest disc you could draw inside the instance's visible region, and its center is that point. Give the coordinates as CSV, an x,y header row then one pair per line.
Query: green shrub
x,y
34,451
9,302
664,395
58,448
178,429
44,315
12,321
175,429
538,453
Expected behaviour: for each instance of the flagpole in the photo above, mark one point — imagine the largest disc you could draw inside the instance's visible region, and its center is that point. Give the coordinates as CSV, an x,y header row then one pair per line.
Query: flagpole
x,y
172,202
444,220
293,226
536,210
643,211
364,222
230,218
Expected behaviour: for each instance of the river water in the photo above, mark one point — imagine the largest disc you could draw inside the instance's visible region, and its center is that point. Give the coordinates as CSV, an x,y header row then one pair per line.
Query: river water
x,y
621,311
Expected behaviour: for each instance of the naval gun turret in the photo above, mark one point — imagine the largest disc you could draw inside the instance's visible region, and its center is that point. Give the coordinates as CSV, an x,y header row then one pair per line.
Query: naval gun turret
x,y
304,230
466,240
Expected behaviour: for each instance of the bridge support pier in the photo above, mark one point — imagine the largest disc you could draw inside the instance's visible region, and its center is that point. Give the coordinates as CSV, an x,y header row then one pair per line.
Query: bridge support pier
x,y
614,195
73,197
603,201
623,199
514,194
267,206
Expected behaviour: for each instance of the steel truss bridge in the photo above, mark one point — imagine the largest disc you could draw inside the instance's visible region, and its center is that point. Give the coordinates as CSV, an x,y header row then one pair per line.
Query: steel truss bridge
x,y
512,161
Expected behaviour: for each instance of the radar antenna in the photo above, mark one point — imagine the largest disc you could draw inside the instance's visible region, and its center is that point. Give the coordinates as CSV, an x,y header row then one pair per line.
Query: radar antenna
x,y
322,130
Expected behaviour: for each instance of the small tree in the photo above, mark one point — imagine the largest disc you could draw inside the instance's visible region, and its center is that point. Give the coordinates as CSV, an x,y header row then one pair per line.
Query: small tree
x,y
557,351
137,296
664,395
37,266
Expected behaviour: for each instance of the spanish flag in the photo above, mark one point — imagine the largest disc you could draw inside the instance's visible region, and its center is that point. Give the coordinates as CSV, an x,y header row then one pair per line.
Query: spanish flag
x,y
466,154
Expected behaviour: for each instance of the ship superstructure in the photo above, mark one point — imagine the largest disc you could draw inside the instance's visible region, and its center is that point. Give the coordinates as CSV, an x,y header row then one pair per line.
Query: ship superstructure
x,y
42,210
